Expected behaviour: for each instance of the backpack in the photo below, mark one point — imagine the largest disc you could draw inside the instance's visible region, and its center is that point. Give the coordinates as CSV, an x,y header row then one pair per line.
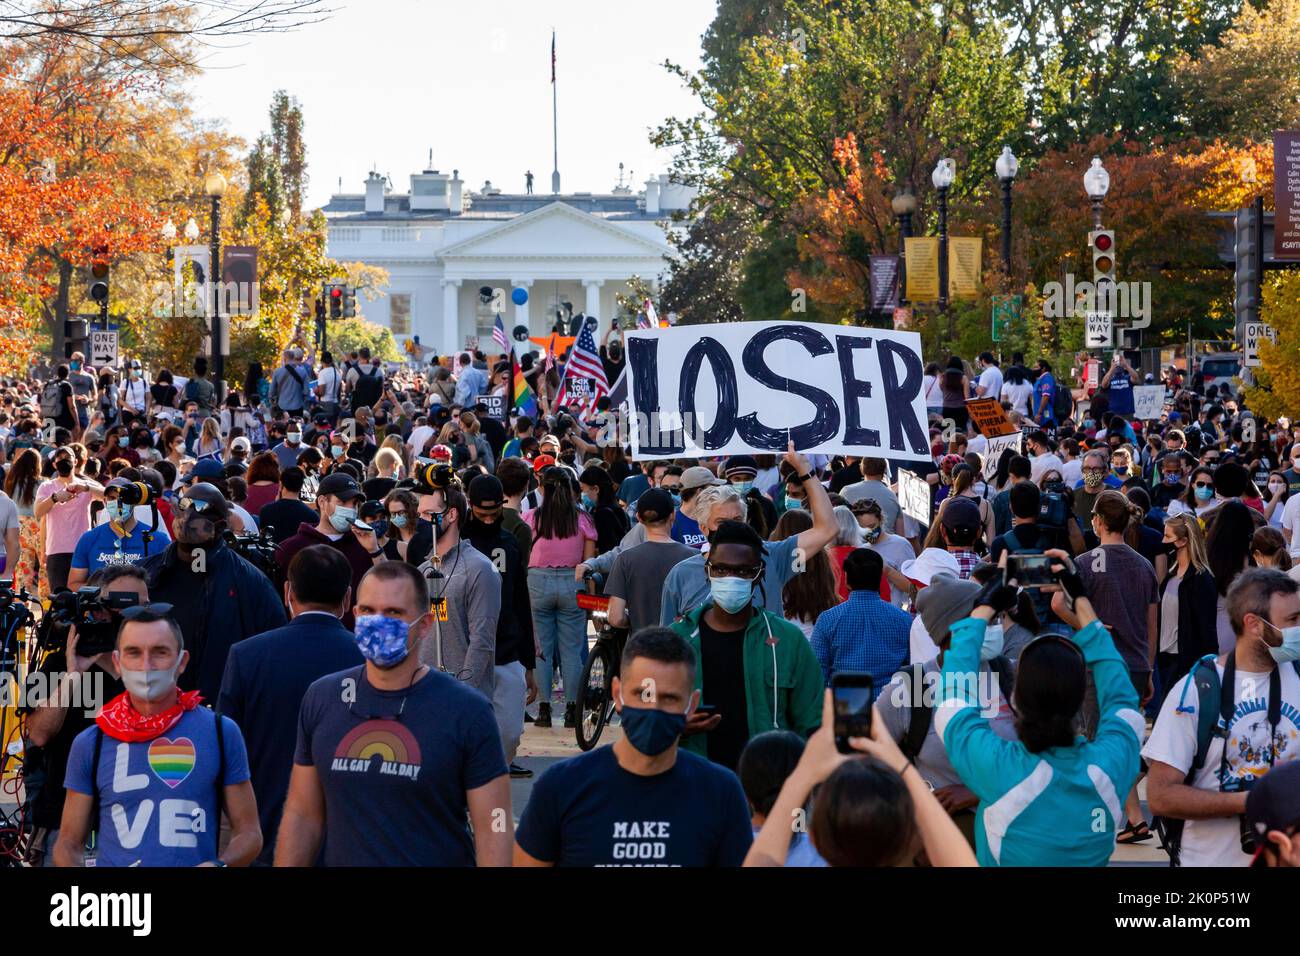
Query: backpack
x,y
1053,510
368,388
52,403
1214,703
922,713
1062,403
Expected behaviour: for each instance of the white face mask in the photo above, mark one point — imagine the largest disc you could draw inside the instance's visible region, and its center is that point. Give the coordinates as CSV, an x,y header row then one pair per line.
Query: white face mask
x,y
150,685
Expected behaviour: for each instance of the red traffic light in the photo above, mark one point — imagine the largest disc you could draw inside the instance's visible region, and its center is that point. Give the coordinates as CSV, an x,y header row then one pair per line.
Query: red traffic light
x,y
336,293
1103,242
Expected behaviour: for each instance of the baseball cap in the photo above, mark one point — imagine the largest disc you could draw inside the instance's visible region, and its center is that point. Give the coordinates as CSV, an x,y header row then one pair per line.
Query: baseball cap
x,y
655,504
341,486
205,469
486,492
960,512
543,461
241,442
1274,801
548,440
946,601
697,476
740,466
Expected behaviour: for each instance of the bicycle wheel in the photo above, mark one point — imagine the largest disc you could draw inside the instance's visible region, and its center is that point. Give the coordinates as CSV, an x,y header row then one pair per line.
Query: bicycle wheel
x,y
594,700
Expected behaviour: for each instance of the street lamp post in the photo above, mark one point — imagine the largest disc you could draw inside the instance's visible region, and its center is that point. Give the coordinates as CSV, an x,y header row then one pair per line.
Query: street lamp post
x,y
945,171
903,204
1096,182
215,187
1006,167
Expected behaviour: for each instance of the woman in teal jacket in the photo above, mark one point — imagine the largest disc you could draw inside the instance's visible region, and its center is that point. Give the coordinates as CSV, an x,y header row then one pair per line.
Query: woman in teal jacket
x,y
1050,798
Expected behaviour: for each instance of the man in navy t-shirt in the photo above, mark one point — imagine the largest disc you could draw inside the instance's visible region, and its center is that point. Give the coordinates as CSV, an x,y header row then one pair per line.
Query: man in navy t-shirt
x,y
122,539
641,801
1118,383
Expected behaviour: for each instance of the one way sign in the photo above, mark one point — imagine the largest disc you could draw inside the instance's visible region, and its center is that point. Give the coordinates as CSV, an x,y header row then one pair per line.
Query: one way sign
x,y
1252,334
103,348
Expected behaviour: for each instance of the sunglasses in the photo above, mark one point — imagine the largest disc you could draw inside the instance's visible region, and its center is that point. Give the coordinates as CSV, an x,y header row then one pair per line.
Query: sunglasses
x,y
1204,484
200,505
160,609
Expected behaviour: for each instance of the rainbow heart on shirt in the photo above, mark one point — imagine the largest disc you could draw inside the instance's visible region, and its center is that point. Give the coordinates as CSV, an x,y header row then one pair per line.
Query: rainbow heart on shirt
x,y
171,760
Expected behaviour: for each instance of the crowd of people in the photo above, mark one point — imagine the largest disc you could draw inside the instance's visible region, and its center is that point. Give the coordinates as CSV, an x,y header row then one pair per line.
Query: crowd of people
x,y
352,588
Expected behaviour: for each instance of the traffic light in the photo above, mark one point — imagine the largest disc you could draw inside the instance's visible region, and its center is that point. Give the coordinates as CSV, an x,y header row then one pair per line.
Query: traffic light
x,y
1102,244
334,292
97,287
349,302
75,337
1245,304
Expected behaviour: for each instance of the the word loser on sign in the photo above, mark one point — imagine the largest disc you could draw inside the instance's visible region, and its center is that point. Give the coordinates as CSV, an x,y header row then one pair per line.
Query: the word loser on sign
x,y
750,387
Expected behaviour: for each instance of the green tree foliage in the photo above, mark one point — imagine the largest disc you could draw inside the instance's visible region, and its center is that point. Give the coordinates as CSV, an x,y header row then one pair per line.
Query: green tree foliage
x,y
345,335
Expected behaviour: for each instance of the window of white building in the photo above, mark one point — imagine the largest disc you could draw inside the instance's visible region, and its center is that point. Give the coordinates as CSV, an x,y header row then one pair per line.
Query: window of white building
x,y
399,313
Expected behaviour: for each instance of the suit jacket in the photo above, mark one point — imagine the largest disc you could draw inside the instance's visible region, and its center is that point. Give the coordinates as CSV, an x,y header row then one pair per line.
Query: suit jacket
x,y
266,678
1198,601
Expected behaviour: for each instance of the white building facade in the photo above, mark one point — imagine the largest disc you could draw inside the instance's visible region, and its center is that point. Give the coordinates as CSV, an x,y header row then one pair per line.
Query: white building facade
x,y
441,244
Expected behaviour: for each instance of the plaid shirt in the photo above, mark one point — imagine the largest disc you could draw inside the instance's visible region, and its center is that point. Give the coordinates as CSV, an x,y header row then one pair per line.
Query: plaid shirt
x,y
864,633
967,561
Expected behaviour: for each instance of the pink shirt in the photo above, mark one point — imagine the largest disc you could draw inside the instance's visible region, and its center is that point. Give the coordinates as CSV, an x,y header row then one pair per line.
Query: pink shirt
x,y
559,552
67,521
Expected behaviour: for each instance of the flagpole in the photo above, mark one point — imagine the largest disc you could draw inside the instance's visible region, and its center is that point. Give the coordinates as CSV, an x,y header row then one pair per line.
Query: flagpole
x,y
555,122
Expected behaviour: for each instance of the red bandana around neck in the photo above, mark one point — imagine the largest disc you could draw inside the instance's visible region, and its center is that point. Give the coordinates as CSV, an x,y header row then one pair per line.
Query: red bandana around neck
x,y
121,721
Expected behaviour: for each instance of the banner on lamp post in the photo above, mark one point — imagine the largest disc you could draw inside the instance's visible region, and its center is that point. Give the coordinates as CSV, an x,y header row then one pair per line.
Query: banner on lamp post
x,y
922,256
883,276
964,267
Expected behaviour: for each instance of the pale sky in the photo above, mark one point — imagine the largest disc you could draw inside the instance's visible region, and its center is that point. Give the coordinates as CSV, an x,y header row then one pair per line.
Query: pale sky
x,y
382,82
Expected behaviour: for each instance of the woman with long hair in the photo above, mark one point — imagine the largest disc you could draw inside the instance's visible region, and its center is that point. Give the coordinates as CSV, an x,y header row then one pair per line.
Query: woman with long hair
x,y
410,538
1188,602
442,390
20,485
955,387
1143,539
1016,391
480,452
806,595
1268,549
599,501
1228,547
931,388
1275,495
564,536
847,539
1200,496
263,477
209,444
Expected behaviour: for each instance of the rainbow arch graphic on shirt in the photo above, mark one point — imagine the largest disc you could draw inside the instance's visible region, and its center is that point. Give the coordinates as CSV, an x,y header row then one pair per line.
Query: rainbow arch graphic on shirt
x,y
387,738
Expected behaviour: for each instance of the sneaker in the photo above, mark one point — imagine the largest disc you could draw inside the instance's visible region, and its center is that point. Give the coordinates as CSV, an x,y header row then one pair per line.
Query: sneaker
x,y
570,715
518,771
543,716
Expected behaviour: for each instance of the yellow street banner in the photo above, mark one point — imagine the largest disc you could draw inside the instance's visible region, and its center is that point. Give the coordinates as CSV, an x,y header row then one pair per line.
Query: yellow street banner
x,y
922,258
964,257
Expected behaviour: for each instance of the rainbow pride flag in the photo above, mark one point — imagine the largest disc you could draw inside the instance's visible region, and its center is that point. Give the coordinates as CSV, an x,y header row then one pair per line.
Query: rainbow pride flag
x,y
525,402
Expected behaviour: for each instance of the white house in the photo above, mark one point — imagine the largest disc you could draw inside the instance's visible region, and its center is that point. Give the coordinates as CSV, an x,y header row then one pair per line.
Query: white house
x,y
442,243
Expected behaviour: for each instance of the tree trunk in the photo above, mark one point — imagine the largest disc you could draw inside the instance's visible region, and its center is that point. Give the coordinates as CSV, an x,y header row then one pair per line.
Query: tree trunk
x,y
60,316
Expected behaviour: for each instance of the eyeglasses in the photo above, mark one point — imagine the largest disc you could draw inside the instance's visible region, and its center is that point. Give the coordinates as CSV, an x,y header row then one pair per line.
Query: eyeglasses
x,y
200,505
728,571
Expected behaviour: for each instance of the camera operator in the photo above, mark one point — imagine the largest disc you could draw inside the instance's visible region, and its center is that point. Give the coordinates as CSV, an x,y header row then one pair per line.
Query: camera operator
x,y
120,540
337,500
54,724
218,597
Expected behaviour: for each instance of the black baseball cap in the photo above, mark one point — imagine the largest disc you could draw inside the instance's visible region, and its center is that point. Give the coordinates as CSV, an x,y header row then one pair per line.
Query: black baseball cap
x,y
1274,802
341,486
486,491
655,504
961,512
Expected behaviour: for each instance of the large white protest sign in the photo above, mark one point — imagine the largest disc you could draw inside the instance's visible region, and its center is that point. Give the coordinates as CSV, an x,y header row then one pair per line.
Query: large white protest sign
x,y
750,387
1148,402
997,446
914,496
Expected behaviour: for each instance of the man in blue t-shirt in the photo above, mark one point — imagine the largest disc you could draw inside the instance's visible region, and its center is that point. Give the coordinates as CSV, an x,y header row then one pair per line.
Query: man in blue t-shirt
x,y
396,761
641,801
154,773
120,540
1044,409
1118,383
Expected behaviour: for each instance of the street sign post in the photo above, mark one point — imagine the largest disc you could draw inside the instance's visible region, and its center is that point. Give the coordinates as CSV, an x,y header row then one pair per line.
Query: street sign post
x,y
1099,330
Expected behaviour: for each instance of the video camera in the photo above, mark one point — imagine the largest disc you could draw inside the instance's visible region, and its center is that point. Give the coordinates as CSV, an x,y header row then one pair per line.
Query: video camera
x,y
97,617
136,493
436,476
257,549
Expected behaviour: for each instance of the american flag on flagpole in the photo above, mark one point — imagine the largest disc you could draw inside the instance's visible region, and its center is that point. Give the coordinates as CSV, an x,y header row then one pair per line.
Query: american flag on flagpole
x,y
647,319
584,363
499,336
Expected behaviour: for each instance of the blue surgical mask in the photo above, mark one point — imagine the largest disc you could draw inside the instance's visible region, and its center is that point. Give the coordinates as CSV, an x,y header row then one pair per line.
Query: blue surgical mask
x,y
336,451
993,640
677,501
293,437
342,518
1290,649
1204,494
649,730
587,503
742,486
794,504
398,521
382,640
731,594
1173,478
117,510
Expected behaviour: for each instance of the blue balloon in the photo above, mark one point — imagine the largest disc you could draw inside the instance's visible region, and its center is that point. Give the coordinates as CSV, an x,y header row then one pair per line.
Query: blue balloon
x,y
519,296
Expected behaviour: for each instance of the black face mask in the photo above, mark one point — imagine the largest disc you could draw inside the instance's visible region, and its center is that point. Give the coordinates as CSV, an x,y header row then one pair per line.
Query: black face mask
x,y
63,467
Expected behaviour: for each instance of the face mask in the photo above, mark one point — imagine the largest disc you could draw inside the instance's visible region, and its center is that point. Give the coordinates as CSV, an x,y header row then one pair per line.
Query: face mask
x,y
117,510
742,486
651,731
135,373
794,504
731,594
1088,423
677,501
336,451
871,534
1204,494
382,640
1173,478
293,437
993,640
75,366
1275,489
342,518
587,503
398,521
63,467
1093,481
1121,470
1290,649
150,685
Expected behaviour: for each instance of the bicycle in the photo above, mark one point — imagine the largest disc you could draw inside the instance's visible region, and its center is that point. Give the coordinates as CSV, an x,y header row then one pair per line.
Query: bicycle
x,y
595,692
